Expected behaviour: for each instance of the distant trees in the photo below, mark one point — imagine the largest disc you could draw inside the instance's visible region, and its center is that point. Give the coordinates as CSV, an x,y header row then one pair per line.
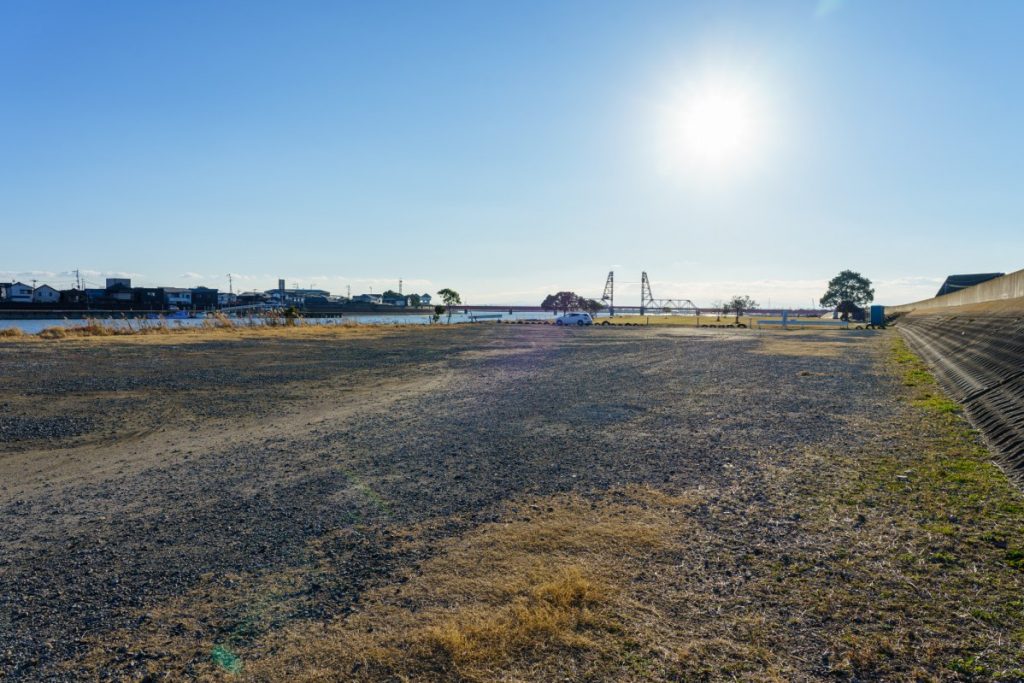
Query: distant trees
x,y
562,301
738,305
718,306
848,286
414,300
591,306
450,298
570,301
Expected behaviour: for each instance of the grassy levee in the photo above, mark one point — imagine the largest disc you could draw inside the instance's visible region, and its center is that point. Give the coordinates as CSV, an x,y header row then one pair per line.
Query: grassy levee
x,y
936,514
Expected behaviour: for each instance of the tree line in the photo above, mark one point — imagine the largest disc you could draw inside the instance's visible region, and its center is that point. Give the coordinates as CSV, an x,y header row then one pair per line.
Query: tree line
x,y
570,301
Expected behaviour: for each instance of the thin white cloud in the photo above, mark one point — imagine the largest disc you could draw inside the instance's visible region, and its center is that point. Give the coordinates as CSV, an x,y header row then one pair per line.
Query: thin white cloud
x,y
105,273
22,274
776,293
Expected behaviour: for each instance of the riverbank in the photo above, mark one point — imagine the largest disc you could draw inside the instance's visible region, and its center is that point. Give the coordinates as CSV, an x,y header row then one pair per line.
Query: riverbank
x,y
490,502
59,312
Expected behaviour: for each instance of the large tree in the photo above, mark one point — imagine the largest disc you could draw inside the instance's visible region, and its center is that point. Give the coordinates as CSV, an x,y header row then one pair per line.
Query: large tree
x,y
563,301
450,298
591,306
738,305
848,286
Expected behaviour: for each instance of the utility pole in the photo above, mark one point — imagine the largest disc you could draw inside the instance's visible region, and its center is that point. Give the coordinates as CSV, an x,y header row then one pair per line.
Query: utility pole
x,y
231,286
348,290
399,285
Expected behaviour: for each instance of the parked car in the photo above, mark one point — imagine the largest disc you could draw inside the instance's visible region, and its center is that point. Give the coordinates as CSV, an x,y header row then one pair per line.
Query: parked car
x,y
575,319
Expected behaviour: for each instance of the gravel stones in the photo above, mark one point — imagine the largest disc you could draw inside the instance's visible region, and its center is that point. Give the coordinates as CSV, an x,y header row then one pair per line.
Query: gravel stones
x,y
528,411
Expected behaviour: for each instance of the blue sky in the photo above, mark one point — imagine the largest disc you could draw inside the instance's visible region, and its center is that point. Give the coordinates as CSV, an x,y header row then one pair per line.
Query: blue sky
x,y
509,150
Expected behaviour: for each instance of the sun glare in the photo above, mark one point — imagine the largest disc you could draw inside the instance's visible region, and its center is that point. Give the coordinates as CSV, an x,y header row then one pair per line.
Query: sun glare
x,y
713,129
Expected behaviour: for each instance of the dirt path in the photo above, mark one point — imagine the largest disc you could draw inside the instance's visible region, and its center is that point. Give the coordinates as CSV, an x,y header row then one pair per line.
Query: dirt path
x,y
31,471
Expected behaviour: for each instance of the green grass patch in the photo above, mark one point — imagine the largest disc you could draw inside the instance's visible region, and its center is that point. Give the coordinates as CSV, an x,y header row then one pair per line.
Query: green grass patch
x,y
1015,558
939,404
957,519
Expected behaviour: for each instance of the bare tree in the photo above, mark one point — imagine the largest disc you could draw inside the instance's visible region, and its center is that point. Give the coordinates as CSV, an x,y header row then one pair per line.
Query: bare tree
x,y
451,298
739,305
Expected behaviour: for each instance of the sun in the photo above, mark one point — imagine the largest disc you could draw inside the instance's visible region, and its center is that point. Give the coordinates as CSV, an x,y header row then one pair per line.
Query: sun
x,y
713,129
717,125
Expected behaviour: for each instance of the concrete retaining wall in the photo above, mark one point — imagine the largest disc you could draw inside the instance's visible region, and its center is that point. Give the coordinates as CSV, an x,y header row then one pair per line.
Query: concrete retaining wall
x,y
1009,286
978,361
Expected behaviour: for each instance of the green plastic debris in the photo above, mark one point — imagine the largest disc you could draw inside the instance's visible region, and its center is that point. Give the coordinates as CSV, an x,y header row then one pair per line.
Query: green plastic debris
x,y
226,659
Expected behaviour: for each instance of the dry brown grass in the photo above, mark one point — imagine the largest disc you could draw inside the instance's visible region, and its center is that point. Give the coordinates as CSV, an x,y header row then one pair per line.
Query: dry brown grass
x,y
674,320
90,329
212,329
545,588
781,345
556,612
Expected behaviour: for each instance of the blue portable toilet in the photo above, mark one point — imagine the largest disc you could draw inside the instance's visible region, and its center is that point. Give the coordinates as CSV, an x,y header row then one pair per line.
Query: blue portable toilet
x,y
878,315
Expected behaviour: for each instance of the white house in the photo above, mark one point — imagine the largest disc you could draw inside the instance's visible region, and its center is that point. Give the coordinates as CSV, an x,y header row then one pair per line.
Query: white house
x,y
367,298
424,299
177,296
19,292
45,294
226,299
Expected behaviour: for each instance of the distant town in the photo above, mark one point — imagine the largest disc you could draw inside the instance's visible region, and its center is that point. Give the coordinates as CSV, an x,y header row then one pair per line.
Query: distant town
x,y
120,295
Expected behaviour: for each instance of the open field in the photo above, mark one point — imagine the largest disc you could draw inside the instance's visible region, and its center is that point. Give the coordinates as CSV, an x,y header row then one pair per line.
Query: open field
x,y
709,320
674,320
498,503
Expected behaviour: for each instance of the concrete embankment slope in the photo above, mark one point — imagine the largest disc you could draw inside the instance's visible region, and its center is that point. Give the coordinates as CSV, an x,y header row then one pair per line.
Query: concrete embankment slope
x,y
976,350
1001,289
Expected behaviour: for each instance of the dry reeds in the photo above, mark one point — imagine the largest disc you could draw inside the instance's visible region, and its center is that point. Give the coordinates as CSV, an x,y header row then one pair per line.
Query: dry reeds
x,y
215,322
91,328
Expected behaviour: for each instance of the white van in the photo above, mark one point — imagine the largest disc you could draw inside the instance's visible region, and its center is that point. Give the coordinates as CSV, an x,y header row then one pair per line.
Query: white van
x,y
575,319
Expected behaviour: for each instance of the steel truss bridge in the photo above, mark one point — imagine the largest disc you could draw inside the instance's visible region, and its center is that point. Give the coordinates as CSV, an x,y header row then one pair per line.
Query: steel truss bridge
x,y
648,304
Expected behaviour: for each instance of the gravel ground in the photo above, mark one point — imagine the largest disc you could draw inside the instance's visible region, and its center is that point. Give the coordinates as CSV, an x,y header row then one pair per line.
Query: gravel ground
x,y
177,462
15,428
